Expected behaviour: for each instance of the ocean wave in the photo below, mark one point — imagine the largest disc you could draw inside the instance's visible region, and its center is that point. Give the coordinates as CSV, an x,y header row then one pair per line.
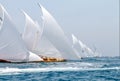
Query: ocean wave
x,y
12,71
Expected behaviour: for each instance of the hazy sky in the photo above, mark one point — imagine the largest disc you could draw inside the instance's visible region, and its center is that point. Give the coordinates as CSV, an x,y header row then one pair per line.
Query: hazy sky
x,y
94,22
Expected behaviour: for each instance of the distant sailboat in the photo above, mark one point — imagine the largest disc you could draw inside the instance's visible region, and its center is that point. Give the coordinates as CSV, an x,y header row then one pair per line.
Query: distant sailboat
x,y
87,49
82,48
96,53
76,46
12,48
56,36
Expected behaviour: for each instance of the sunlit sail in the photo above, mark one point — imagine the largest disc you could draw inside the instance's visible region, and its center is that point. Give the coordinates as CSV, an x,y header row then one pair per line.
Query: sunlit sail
x,y
56,36
31,33
12,48
82,49
86,49
76,46
36,42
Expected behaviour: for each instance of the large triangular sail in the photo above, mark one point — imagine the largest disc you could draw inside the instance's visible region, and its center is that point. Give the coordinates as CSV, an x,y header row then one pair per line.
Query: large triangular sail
x,y
31,33
56,36
76,46
82,48
86,49
11,47
35,41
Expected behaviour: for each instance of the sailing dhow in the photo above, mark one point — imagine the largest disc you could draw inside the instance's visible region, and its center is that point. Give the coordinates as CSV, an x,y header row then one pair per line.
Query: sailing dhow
x,y
12,47
56,36
32,37
83,49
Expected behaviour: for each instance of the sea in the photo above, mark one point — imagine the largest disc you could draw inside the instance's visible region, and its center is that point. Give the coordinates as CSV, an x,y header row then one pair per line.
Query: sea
x,y
87,69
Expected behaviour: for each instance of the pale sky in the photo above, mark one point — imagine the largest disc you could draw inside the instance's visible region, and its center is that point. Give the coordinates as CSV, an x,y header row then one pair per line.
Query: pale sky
x,y
94,22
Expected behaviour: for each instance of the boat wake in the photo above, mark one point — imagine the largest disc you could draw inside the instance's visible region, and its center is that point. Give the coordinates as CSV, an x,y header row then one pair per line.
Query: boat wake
x,y
15,71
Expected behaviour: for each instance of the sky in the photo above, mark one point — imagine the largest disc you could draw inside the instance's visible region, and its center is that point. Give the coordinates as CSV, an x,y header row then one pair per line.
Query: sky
x,y
94,22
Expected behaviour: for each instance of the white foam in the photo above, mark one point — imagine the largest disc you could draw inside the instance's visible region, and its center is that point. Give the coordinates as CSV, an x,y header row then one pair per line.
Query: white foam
x,y
85,65
5,71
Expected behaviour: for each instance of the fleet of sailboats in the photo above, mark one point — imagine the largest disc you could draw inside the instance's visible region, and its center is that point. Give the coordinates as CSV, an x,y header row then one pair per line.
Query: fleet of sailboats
x,y
56,36
12,47
26,48
32,36
83,49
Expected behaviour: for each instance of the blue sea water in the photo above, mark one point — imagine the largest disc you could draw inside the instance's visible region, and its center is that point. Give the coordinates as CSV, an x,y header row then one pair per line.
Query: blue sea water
x,y
87,69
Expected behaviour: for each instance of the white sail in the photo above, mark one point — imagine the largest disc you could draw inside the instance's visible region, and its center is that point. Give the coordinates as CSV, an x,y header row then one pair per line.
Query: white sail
x,y
34,58
56,36
11,47
82,49
75,40
76,46
35,41
87,50
31,33
46,48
